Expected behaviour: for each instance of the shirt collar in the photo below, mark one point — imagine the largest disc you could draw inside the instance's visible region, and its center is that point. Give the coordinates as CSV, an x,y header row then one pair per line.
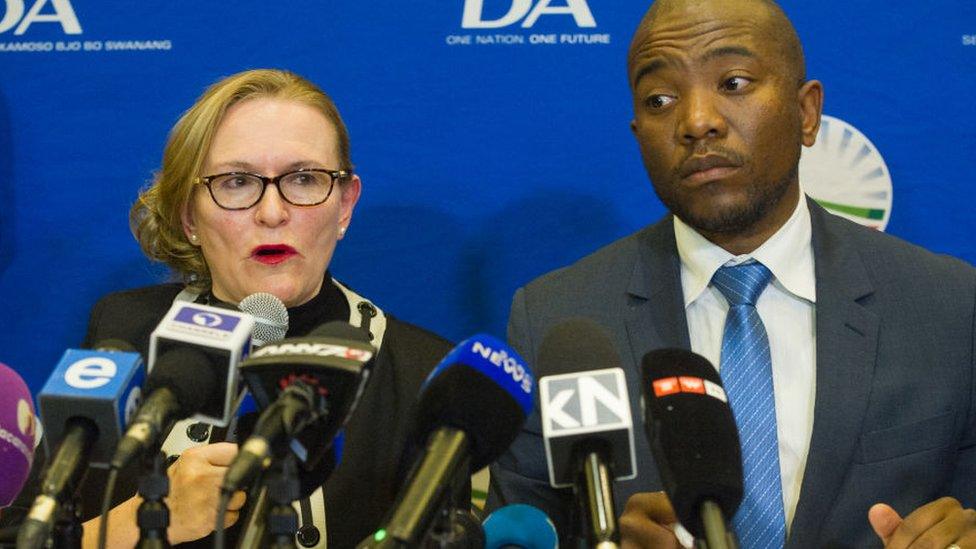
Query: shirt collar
x,y
788,254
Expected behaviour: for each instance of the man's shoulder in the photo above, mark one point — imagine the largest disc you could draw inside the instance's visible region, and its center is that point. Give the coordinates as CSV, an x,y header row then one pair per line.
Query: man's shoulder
x,y
606,267
892,260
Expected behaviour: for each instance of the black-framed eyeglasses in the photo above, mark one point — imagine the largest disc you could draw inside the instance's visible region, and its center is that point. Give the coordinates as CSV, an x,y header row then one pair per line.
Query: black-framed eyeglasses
x,y
242,190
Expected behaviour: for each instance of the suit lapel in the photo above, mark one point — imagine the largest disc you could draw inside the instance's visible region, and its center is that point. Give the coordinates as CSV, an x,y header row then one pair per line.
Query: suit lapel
x,y
846,352
656,316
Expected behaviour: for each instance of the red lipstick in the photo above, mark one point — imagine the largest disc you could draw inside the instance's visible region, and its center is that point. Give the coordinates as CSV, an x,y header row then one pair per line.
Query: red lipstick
x,y
272,254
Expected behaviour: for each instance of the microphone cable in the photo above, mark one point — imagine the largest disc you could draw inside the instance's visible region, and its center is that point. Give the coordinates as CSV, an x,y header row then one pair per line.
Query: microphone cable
x,y
113,476
222,505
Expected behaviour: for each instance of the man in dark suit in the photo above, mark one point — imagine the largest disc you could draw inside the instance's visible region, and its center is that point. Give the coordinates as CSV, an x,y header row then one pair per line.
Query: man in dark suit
x,y
861,344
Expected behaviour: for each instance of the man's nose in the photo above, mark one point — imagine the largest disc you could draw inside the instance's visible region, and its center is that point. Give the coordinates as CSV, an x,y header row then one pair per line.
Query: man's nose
x,y
700,117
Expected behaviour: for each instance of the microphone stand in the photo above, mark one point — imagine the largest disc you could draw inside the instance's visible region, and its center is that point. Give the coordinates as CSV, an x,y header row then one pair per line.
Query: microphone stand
x,y
68,530
597,503
283,488
153,515
455,528
717,535
420,512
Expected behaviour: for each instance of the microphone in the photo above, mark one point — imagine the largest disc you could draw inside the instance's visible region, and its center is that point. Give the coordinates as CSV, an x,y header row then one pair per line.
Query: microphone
x,y
520,526
307,388
694,440
470,409
84,405
270,317
193,357
586,422
17,431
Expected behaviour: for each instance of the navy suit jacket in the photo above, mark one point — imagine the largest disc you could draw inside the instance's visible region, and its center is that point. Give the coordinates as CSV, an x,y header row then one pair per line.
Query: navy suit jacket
x,y
894,407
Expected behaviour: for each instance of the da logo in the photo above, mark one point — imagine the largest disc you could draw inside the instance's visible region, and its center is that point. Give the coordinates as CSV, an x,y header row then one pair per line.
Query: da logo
x,y
14,17
526,11
845,173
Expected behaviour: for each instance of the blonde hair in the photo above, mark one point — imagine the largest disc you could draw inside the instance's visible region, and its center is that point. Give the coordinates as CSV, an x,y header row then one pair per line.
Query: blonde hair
x,y
155,218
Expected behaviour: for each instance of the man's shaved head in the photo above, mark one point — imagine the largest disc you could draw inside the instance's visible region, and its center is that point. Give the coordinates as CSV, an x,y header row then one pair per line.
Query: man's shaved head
x,y
722,109
776,26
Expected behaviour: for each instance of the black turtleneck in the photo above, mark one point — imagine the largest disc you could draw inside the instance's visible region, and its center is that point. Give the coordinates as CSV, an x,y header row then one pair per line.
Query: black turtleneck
x,y
328,305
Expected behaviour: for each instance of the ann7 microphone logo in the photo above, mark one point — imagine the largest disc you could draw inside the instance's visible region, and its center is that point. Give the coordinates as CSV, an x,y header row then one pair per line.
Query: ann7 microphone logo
x,y
585,401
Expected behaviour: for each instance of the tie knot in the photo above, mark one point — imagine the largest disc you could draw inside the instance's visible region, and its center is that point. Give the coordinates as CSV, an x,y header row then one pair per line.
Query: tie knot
x,y
742,284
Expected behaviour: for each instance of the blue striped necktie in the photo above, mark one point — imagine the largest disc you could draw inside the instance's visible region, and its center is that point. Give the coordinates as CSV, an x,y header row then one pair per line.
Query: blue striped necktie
x,y
747,373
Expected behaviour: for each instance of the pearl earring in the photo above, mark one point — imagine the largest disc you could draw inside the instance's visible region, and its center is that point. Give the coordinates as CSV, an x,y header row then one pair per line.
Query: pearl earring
x,y
342,232
194,238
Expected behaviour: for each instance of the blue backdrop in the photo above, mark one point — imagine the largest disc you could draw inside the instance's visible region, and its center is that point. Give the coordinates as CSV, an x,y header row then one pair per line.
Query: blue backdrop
x,y
489,154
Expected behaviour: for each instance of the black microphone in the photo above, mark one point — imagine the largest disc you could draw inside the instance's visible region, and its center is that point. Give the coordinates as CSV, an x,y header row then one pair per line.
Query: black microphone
x,y
694,440
586,422
470,409
306,387
193,358
85,404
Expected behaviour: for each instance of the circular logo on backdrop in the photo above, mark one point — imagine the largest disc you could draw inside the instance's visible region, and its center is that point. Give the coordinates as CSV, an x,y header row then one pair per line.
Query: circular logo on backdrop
x,y
845,173
210,320
25,418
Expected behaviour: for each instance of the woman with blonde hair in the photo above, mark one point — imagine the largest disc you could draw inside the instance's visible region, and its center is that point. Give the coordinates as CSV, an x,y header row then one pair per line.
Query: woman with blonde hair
x,y
255,191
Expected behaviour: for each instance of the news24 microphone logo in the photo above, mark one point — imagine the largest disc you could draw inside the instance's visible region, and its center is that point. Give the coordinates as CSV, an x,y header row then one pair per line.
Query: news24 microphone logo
x,y
579,405
494,359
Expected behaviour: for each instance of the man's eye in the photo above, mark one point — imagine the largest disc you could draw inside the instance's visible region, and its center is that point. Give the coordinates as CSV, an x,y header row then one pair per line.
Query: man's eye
x,y
659,101
735,83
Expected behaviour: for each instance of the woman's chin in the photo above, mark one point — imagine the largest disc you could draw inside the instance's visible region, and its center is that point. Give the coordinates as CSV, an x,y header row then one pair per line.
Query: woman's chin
x,y
286,288
290,295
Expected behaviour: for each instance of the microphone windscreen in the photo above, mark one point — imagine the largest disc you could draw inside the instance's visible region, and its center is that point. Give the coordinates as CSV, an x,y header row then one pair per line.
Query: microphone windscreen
x,y
520,526
576,345
481,387
270,317
17,429
336,359
584,403
190,374
692,434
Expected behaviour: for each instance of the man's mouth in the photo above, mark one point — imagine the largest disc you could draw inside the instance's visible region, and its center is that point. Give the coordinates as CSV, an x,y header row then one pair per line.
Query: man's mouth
x,y
273,254
701,169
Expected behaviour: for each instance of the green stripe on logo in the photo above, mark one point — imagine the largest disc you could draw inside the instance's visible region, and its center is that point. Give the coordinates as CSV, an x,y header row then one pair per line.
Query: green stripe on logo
x,y
866,213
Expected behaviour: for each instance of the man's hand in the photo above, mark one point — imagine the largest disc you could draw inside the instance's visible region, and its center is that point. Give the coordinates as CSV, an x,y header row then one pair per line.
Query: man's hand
x,y
194,490
648,521
938,524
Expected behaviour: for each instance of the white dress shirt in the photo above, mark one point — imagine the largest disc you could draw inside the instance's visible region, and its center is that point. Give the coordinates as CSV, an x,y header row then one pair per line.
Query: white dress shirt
x,y
787,308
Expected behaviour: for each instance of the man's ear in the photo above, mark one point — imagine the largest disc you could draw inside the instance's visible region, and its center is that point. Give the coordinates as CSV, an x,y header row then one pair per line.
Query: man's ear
x,y
810,97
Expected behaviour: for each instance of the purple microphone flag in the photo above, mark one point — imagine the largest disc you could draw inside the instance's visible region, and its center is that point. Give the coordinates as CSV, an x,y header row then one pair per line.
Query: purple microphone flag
x,y
17,429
